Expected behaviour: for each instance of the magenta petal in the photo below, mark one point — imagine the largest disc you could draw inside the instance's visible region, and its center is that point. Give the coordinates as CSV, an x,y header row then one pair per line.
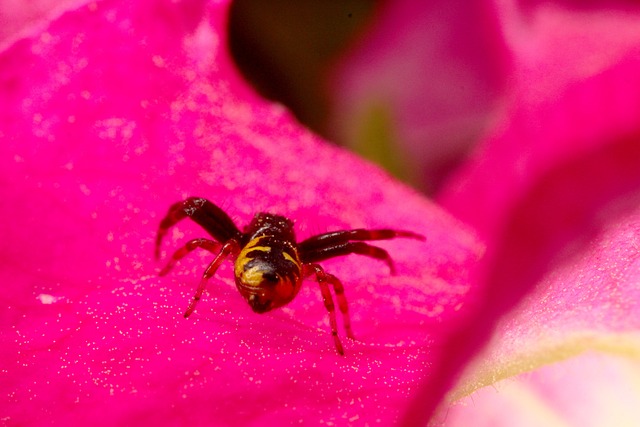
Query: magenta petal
x,y
116,111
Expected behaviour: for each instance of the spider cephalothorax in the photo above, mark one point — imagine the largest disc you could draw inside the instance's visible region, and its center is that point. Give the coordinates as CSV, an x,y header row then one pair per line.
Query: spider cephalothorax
x,y
269,264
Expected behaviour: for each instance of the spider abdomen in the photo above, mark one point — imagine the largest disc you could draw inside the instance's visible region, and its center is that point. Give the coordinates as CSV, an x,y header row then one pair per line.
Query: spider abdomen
x,y
268,272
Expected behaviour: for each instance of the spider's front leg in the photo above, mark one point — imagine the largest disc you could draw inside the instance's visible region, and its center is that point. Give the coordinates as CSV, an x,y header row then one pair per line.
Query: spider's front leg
x,y
324,279
214,220
191,245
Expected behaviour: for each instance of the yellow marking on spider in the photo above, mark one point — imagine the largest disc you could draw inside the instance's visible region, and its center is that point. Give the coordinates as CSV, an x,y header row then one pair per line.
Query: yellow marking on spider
x,y
290,258
250,276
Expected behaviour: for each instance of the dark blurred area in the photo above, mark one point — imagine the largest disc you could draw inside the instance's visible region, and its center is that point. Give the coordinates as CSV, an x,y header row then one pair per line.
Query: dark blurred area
x,y
286,47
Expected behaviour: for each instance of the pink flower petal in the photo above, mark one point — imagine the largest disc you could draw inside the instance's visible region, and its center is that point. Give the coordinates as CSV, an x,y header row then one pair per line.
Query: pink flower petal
x,y
432,77
427,78
587,306
558,43
116,111
556,170
591,390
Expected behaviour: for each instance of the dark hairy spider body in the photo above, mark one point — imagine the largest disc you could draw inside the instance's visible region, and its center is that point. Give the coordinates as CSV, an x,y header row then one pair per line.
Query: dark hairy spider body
x,y
270,265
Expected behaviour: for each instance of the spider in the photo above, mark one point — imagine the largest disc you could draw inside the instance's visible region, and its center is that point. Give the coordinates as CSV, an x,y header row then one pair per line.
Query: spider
x,y
270,264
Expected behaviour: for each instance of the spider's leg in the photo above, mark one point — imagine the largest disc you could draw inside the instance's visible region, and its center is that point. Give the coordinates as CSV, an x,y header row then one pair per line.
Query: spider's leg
x,y
207,244
228,248
344,236
338,288
360,248
323,279
209,216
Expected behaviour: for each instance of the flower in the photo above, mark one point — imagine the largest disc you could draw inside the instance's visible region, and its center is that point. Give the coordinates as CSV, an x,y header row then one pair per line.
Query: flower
x,y
116,110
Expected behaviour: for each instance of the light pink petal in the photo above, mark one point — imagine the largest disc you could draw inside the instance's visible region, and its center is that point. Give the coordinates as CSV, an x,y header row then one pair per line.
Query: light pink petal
x,y
113,113
591,390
